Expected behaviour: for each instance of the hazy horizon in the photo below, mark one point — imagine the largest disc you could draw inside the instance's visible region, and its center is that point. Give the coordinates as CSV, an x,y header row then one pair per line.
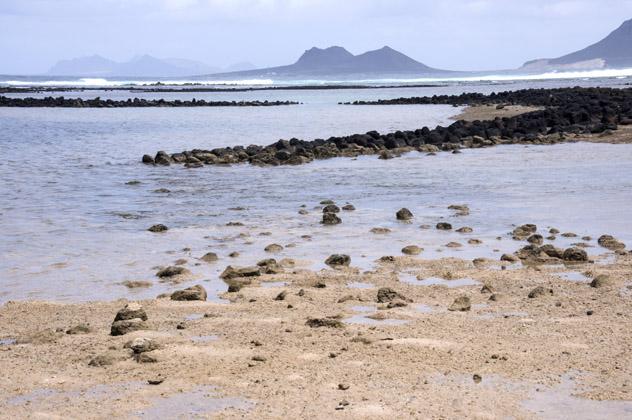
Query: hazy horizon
x,y
454,35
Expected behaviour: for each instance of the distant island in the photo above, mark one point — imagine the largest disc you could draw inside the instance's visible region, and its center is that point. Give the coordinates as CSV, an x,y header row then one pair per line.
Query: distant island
x,y
614,51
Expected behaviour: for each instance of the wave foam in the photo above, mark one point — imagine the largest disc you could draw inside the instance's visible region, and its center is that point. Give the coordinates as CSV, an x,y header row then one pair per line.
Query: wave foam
x,y
90,82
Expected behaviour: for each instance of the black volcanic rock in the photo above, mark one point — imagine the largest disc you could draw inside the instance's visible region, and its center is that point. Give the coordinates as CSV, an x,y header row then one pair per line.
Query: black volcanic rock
x,y
614,51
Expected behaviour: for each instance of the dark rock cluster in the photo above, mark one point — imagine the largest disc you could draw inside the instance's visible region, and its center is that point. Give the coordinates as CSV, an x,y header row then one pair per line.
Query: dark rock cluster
x,y
567,111
61,102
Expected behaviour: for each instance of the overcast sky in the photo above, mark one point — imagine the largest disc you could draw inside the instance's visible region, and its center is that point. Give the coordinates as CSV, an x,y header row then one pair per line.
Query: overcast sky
x,y
449,34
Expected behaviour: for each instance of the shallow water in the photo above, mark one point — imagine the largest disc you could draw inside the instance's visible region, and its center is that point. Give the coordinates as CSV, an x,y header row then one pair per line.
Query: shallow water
x,y
436,281
73,229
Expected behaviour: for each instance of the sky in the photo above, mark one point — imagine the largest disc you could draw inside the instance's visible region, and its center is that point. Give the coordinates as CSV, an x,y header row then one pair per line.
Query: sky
x,y
447,34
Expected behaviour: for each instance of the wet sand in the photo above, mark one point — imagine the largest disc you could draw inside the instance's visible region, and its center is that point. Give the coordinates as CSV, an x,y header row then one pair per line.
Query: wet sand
x,y
489,112
254,356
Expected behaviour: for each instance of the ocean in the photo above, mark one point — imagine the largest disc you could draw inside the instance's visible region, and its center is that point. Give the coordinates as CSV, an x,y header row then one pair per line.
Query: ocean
x,y
76,201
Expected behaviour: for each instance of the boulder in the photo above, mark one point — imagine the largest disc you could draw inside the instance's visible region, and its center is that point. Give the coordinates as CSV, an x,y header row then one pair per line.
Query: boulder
x,y
131,311
444,226
331,219
236,272
209,257
524,231
609,242
273,248
575,255
535,239
348,207
127,326
600,281
331,208
172,271
465,229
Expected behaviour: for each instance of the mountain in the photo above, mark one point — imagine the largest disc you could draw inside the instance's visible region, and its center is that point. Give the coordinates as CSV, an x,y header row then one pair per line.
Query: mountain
x,y
338,61
139,66
614,51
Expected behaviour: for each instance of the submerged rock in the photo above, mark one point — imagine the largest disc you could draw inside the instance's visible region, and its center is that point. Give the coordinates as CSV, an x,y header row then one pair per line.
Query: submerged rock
x,y
172,271
444,226
273,248
209,257
404,214
331,219
231,272
158,228
411,250
575,255
609,242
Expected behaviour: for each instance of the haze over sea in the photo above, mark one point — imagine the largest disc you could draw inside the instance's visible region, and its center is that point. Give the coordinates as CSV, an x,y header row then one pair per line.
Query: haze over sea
x,y
71,221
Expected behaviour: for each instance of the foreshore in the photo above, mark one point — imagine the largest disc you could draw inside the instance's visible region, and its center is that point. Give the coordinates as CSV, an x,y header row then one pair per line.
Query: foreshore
x,y
541,331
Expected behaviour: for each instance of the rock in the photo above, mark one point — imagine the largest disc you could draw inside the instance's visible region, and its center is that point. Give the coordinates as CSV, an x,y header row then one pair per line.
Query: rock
x,y
477,378
386,155
575,255
79,329
158,228
326,202
303,212
601,280
209,257
397,303
270,266
338,260
411,250
331,208
386,295
331,219
487,289
348,207
461,304
609,242
273,248
552,251
535,239
136,284
554,231
343,387
444,226
235,272
234,254
509,258
191,293
127,326
380,230
259,358
172,271
524,231
461,209
324,322
157,381
539,292
102,360
281,296
145,358
465,229
148,160
131,311
453,245
569,235
474,241
142,345
404,214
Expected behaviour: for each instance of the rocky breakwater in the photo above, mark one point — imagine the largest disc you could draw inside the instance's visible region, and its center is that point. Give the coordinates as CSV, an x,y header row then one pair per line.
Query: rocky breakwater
x,y
62,102
567,113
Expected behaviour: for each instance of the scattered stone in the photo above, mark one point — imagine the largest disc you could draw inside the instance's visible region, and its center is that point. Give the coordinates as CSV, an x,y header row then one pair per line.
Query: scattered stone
x,y
136,284
611,243
540,291
453,245
535,239
145,358
197,292
523,232
569,235
172,271
348,207
102,360
461,209
234,254
477,378
142,345
331,208
412,250
131,311
346,298
575,255
158,228
461,304
474,241
338,260
386,295
273,248
127,326
155,381
236,272
324,322
303,212
180,261
281,296
487,289
601,280
259,358
404,214
444,226
465,229
397,303
79,329
554,231
326,202
331,219
380,230
209,257
343,387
